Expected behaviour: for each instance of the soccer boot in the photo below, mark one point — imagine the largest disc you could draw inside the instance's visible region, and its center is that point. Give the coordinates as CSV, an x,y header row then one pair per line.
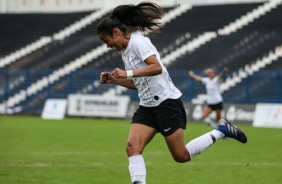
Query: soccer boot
x,y
230,130
137,182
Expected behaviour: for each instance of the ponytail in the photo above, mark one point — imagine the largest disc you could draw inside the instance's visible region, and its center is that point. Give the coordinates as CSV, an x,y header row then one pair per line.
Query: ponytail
x,y
144,17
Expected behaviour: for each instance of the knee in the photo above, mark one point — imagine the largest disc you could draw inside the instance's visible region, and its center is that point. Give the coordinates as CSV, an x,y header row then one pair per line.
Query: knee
x,y
182,158
133,148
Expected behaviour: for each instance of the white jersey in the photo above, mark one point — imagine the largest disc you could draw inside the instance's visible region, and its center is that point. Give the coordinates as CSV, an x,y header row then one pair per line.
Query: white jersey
x,y
152,90
213,91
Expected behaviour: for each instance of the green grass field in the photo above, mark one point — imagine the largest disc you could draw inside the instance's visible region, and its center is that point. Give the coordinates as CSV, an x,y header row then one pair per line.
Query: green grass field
x,y
92,151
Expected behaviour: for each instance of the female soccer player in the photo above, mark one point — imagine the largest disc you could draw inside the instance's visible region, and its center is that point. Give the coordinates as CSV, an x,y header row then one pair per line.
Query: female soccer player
x,y
160,108
214,97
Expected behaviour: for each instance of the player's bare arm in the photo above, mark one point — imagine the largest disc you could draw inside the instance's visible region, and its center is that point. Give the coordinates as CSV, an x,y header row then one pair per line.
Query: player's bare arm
x,y
153,68
108,77
223,72
194,76
128,83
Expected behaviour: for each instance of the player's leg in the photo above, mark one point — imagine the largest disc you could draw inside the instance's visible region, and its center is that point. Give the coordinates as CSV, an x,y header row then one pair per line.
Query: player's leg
x,y
173,122
139,136
172,128
206,112
176,145
183,153
175,141
218,110
218,114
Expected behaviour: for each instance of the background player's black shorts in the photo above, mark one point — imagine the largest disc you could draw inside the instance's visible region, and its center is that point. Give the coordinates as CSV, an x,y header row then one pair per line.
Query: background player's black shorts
x,y
218,106
166,118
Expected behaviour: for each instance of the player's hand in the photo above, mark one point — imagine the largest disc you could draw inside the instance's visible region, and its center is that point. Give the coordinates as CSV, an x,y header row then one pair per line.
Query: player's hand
x,y
106,77
225,69
119,73
191,73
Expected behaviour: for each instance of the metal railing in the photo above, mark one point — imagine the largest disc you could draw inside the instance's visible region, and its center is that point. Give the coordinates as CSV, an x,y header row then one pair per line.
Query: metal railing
x,y
264,86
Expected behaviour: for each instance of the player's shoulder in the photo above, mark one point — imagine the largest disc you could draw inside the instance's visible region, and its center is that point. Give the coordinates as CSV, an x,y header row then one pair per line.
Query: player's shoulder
x,y
136,37
216,78
205,79
139,41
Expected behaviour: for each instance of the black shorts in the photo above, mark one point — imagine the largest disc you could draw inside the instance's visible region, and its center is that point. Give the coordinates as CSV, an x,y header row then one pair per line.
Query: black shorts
x,y
218,106
166,118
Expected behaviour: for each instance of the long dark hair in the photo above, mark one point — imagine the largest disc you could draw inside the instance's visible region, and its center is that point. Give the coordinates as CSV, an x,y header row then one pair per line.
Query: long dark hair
x,y
144,16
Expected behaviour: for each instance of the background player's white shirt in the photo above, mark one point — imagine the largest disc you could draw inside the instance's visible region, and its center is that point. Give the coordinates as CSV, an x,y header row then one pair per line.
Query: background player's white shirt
x,y
213,91
152,90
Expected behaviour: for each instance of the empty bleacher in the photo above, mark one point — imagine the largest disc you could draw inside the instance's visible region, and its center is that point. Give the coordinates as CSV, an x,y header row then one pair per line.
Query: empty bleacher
x,y
17,30
235,50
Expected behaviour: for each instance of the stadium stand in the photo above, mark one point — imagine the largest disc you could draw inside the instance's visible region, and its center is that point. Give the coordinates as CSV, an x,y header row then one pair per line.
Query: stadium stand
x,y
69,56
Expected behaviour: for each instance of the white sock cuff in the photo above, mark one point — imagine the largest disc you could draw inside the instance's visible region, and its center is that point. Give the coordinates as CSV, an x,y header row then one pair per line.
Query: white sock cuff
x,y
217,134
135,158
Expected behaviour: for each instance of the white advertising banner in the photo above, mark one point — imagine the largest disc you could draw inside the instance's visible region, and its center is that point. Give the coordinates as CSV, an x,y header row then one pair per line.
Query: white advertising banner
x,y
54,109
98,105
237,113
268,115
